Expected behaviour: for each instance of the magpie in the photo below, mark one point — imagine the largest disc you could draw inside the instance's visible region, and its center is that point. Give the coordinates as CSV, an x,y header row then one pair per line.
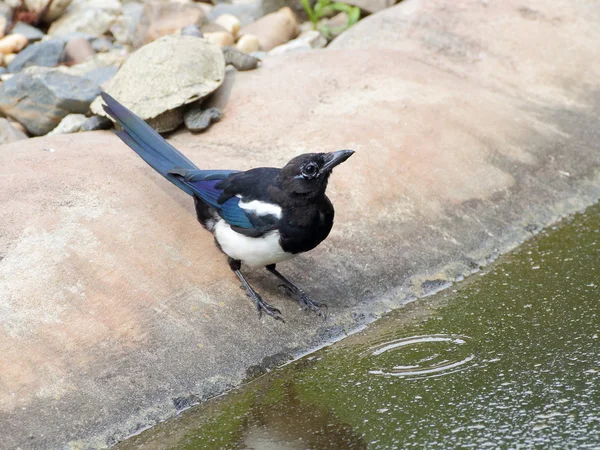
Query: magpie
x,y
259,217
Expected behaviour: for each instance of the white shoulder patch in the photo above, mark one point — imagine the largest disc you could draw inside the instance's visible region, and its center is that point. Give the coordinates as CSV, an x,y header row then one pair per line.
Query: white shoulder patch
x,y
260,208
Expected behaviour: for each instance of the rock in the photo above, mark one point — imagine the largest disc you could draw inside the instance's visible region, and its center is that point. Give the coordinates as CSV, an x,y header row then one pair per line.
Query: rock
x,y
230,23
101,68
3,25
161,18
335,25
240,60
102,45
197,119
45,53
162,76
13,43
57,8
8,133
101,75
3,70
78,50
87,17
309,40
96,123
248,44
32,33
273,29
124,29
39,97
8,58
192,30
245,11
370,6
70,124
220,38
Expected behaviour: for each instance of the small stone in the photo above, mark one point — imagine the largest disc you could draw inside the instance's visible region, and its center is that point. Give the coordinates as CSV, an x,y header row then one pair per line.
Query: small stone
x,y
307,41
30,32
46,53
13,43
197,120
230,23
220,38
248,43
56,9
3,25
8,133
102,45
161,18
274,29
78,50
39,97
240,60
192,30
9,57
124,29
70,124
96,123
91,19
101,75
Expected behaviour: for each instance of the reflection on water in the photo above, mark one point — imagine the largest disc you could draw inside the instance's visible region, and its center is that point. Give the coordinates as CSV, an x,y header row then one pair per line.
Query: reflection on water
x,y
426,356
510,359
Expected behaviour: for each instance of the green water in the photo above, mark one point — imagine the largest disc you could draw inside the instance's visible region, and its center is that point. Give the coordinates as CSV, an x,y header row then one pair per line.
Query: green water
x,y
508,359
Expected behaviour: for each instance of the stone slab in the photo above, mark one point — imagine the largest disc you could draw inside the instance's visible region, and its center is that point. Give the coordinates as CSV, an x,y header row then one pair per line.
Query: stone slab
x,y
116,309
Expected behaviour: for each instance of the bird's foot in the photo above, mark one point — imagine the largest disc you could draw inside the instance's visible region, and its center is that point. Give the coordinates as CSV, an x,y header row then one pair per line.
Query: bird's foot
x,y
305,301
262,306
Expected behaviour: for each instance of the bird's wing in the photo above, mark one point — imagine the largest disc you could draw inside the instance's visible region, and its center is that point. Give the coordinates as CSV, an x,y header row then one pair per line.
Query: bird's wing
x,y
209,186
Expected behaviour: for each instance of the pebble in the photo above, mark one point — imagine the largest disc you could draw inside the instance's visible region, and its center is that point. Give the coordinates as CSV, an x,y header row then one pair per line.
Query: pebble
x,y
45,53
240,60
192,30
69,124
230,23
197,120
274,29
30,32
248,43
220,38
9,133
309,40
78,50
96,123
102,45
9,57
13,43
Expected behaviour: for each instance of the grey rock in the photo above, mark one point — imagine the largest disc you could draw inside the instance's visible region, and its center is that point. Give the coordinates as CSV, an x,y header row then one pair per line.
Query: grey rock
x,y
191,30
8,133
197,120
32,33
90,17
96,123
124,28
69,124
102,45
39,99
47,54
308,40
3,70
164,75
101,75
240,60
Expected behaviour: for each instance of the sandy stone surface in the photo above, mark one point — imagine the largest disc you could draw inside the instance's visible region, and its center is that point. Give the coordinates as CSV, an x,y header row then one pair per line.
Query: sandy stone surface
x,y
473,127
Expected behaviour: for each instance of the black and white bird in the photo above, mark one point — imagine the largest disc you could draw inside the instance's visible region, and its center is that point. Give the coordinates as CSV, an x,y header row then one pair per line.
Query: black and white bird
x,y
259,217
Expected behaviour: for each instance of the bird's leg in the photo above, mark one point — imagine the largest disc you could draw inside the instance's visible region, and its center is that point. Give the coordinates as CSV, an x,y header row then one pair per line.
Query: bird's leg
x,y
298,294
260,304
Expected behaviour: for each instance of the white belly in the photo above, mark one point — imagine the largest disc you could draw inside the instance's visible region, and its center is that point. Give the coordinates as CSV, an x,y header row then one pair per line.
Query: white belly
x,y
260,251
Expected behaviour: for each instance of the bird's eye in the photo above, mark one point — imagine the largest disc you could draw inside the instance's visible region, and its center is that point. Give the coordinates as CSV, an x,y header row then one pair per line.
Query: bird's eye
x,y
309,170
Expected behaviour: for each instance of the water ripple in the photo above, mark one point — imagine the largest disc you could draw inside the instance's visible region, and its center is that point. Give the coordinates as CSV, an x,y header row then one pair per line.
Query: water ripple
x,y
422,356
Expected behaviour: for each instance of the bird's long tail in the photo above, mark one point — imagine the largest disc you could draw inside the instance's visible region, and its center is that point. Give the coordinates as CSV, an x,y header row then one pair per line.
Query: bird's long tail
x,y
147,143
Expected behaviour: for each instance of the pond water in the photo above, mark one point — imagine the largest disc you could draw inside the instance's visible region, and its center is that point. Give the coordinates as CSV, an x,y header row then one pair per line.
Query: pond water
x,y
509,358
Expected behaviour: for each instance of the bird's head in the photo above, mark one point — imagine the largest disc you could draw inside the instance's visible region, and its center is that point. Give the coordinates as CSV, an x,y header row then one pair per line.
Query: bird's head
x,y
307,174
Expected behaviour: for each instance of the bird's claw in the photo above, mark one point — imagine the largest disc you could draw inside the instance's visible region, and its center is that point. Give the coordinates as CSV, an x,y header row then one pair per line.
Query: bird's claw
x,y
262,306
305,301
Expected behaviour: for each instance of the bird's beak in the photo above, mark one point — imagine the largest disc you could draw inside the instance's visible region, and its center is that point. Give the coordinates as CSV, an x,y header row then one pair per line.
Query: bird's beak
x,y
334,158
